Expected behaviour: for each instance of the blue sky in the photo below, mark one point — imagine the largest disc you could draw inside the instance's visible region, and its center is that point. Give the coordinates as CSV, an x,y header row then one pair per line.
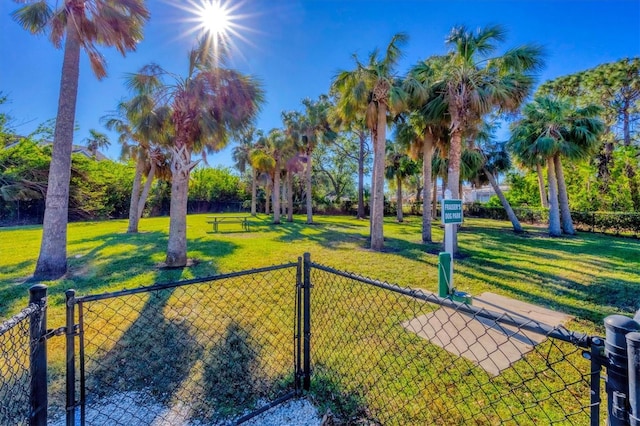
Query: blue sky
x,y
295,47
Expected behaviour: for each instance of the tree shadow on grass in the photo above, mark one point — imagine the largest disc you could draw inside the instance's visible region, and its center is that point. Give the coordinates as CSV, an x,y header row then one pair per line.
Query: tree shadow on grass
x,y
232,381
153,356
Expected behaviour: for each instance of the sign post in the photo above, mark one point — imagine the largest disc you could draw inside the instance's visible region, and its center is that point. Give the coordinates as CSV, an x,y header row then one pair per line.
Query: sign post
x,y
451,216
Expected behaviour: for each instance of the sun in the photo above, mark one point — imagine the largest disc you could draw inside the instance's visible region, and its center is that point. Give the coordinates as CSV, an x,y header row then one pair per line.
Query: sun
x,y
214,17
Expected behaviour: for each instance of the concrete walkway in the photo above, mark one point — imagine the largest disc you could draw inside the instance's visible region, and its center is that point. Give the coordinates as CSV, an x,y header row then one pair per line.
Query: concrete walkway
x,y
491,345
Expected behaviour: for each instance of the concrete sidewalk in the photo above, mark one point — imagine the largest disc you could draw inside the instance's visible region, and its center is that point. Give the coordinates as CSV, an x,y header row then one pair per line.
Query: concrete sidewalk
x,y
491,345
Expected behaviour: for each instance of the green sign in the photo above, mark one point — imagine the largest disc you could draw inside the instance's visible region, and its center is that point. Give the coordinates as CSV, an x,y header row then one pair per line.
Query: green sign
x,y
451,211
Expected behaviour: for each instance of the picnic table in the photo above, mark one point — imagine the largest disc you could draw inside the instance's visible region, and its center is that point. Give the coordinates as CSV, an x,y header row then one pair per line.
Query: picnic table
x,y
217,220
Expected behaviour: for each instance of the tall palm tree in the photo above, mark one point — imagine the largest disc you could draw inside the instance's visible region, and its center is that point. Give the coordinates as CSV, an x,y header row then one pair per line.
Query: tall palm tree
x,y
495,160
276,147
95,141
208,105
399,167
144,127
475,82
427,126
553,128
348,115
81,24
309,129
242,158
375,91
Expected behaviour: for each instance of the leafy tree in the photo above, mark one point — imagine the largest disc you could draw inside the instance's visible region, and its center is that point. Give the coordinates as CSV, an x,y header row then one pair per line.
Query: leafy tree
x,y
616,88
334,169
82,24
373,86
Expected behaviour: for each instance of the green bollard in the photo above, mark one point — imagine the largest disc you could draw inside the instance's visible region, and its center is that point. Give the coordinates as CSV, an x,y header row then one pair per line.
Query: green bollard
x,y
444,273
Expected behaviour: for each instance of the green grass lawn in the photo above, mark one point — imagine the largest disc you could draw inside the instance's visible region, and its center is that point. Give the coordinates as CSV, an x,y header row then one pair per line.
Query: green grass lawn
x,y
589,276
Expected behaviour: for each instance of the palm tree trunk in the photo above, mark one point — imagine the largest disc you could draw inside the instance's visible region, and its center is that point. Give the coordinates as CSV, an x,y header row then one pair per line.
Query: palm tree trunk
x,y
276,194
427,154
563,198
453,174
135,196
254,184
177,246
289,197
543,191
52,260
361,176
267,205
399,199
377,207
517,228
308,190
434,200
146,189
554,212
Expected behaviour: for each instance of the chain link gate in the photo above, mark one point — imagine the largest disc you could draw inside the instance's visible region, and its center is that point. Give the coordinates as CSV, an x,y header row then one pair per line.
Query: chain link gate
x,y
203,351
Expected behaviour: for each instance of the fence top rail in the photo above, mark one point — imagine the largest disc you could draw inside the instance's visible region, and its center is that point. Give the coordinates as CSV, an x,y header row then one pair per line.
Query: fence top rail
x,y
560,333
25,313
174,284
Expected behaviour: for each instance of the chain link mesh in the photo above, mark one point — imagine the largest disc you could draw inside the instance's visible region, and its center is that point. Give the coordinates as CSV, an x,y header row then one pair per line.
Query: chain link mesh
x,y
202,353
381,357
15,342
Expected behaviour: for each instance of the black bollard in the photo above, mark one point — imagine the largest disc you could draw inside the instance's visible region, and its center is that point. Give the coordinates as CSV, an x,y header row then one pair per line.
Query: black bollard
x,y
617,387
633,354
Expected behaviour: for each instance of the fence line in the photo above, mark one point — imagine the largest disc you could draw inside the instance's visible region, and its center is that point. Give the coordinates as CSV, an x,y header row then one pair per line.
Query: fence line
x,y
229,347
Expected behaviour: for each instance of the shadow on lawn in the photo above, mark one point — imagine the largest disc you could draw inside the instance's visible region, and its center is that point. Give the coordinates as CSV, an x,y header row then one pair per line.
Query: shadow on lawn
x,y
154,356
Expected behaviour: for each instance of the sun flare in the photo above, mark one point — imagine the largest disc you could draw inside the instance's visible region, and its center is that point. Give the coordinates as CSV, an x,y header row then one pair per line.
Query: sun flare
x,y
214,17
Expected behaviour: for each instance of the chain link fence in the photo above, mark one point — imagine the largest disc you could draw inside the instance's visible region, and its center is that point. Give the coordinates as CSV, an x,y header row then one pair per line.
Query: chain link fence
x,y
212,351
17,343
382,354
221,350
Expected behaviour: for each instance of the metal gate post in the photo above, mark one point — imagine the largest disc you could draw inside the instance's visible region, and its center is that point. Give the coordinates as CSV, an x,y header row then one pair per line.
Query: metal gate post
x,y
71,361
298,331
38,356
633,354
597,359
306,381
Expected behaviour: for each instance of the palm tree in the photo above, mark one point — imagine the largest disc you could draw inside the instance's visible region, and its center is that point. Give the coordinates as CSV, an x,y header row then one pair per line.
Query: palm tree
x,y
210,104
143,125
376,93
475,83
427,127
495,160
553,128
348,116
242,158
276,147
399,167
82,24
307,130
95,141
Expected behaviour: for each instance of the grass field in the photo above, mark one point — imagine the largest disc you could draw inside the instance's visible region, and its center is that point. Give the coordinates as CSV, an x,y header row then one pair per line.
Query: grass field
x,y
588,276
